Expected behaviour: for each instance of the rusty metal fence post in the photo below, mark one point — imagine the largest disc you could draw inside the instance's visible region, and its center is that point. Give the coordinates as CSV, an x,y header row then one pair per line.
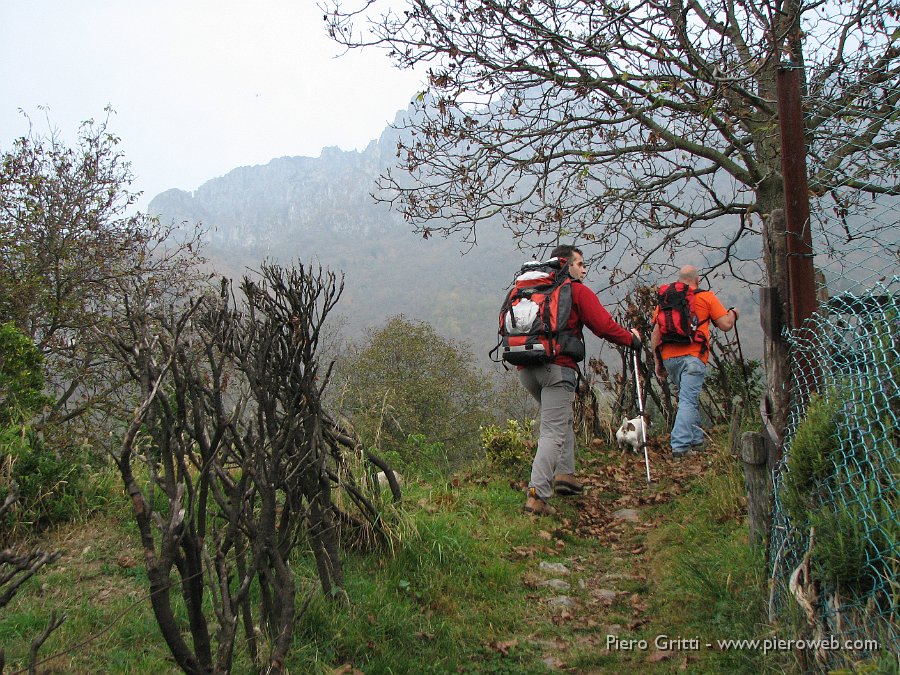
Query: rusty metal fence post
x,y
801,273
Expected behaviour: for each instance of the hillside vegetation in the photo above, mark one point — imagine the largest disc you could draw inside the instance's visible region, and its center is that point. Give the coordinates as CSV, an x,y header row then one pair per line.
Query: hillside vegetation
x,y
468,584
191,470
306,208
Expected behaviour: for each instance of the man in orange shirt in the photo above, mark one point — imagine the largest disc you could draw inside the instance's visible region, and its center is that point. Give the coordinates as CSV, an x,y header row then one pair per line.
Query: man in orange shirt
x,y
685,364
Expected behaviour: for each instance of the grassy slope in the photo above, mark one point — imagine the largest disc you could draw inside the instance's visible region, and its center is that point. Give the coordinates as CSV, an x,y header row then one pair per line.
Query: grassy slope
x,y
463,590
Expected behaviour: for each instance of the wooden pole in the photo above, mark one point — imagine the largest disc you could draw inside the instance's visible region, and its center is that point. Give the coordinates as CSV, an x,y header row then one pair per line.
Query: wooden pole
x,y
754,454
798,241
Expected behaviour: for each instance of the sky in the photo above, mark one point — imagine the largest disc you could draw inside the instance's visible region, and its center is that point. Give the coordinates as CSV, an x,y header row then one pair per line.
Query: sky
x,y
198,87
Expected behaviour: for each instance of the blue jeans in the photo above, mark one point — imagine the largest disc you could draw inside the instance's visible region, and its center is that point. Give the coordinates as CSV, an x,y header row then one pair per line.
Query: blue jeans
x,y
686,373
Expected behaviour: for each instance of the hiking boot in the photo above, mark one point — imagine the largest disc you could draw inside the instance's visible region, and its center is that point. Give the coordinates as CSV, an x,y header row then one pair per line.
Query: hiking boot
x,y
700,447
680,453
566,484
537,506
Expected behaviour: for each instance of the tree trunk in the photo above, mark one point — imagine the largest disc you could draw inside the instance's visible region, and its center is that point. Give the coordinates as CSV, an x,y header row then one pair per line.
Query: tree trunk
x,y
774,310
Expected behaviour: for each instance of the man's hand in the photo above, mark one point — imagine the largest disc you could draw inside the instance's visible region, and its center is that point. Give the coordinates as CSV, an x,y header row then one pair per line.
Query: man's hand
x,y
661,373
727,321
636,342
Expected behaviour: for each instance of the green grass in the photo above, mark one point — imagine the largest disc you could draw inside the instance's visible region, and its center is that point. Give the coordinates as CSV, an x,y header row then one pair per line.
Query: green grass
x,y
439,603
455,593
710,584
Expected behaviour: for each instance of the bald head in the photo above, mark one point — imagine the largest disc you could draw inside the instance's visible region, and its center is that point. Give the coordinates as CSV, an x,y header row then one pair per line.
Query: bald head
x,y
689,275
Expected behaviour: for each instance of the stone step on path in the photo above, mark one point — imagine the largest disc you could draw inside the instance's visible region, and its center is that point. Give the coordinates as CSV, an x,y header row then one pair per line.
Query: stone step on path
x,y
599,591
629,515
557,569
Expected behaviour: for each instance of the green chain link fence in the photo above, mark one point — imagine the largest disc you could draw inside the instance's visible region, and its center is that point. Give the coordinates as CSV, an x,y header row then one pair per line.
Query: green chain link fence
x,y
835,545
835,541
841,477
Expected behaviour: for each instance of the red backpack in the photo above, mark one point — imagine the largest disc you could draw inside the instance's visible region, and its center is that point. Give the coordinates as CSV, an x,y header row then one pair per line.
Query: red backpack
x,y
534,315
677,316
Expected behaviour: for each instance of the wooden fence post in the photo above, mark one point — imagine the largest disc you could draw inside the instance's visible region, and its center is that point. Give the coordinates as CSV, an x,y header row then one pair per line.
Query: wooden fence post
x,y
754,454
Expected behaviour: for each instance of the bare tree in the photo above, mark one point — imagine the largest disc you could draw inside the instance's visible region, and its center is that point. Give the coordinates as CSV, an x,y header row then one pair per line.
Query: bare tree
x,y
230,459
644,129
632,127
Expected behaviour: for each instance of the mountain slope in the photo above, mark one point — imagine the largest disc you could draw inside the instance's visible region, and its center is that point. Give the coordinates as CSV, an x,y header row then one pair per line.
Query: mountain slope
x,y
320,210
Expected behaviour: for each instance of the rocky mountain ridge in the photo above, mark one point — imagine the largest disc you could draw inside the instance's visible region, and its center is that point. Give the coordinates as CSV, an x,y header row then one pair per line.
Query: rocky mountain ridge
x,y
320,210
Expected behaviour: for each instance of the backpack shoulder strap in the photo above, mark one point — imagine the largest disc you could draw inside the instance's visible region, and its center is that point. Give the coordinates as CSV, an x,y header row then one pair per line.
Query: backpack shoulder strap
x,y
698,291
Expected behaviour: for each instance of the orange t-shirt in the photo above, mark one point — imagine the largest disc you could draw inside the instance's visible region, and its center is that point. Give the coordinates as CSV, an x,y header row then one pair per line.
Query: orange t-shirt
x,y
708,309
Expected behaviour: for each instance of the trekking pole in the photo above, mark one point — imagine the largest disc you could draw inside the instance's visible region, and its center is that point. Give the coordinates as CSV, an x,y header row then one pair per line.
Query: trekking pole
x,y
640,398
737,339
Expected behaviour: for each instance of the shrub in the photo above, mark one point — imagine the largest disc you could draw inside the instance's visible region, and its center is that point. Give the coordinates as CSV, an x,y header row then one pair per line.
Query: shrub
x,y
844,490
418,454
405,379
811,461
510,448
48,485
839,556
21,377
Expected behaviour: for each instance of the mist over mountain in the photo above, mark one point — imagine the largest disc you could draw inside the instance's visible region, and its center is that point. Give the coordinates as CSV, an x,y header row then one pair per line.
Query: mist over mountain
x,y
320,210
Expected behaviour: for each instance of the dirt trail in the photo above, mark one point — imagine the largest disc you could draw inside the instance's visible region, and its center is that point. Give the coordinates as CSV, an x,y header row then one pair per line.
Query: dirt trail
x,y
614,581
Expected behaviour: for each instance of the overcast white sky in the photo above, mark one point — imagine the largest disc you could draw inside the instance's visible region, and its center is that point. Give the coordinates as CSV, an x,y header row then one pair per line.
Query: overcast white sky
x,y
199,87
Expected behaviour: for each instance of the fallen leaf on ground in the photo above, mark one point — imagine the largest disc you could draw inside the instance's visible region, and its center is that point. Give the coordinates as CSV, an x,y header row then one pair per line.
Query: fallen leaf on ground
x,y
658,656
345,669
503,647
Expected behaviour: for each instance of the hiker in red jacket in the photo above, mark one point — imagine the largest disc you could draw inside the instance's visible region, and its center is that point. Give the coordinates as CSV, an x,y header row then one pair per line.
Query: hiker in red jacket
x,y
553,386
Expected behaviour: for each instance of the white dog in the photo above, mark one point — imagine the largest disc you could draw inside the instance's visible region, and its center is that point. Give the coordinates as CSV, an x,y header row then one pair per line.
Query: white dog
x,y
632,432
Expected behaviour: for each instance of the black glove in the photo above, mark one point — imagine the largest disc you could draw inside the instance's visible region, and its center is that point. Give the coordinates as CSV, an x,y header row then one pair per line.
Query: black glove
x,y
636,342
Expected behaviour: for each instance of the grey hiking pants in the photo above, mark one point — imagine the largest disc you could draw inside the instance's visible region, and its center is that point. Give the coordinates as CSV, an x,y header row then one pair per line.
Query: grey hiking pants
x,y
553,387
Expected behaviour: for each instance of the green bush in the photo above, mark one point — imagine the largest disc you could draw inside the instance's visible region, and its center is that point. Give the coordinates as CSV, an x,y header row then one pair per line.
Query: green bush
x,y
50,486
419,455
49,483
811,463
842,490
406,380
21,377
839,556
510,448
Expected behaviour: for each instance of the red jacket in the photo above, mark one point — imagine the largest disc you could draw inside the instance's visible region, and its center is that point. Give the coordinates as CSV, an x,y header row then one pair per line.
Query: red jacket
x,y
587,310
